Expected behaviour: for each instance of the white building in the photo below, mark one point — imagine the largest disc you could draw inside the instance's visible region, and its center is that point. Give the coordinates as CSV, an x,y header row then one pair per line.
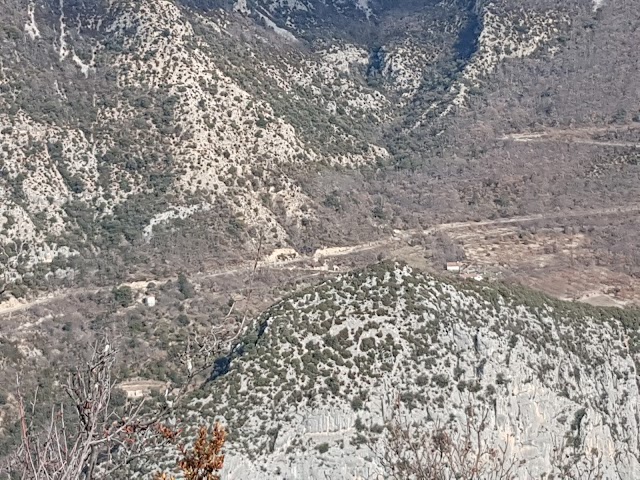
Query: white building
x,y
454,267
150,301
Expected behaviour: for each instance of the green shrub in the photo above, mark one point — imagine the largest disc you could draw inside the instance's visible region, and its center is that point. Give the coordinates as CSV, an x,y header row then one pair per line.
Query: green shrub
x,y
123,296
185,287
441,380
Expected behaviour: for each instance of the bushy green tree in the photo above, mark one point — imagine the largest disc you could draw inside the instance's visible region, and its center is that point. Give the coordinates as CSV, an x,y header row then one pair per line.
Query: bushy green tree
x,y
123,296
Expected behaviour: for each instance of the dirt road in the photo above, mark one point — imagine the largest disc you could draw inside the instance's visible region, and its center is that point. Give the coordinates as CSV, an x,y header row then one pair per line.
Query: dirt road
x,y
585,141
576,135
323,254
546,216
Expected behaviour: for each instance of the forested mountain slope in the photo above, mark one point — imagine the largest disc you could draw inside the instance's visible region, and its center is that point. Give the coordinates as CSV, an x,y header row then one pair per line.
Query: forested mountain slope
x,y
122,118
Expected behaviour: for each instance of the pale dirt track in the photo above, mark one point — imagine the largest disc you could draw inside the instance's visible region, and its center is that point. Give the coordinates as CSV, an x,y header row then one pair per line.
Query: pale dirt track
x,y
583,141
322,254
576,135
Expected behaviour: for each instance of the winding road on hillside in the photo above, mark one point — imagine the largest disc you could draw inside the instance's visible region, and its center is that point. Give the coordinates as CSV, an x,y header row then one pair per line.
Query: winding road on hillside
x,y
12,306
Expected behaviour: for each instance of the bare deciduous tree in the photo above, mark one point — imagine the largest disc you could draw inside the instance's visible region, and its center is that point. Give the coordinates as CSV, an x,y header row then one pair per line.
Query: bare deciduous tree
x,y
88,437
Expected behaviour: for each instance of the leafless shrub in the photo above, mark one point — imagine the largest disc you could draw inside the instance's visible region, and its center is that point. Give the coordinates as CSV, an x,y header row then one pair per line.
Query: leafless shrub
x,y
462,451
444,452
572,464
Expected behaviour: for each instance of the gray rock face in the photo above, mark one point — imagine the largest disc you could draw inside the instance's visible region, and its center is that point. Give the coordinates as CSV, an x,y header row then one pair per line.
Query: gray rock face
x,y
336,363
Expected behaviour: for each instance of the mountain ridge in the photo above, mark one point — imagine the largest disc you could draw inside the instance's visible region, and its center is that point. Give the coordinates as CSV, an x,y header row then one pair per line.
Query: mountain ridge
x,y
334,363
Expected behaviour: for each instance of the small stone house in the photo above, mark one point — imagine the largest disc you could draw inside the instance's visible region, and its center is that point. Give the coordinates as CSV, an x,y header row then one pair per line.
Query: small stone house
x,y
454,267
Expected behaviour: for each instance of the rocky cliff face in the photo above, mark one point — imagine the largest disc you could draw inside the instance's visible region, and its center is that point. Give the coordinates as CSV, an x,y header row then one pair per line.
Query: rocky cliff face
x,y
333,364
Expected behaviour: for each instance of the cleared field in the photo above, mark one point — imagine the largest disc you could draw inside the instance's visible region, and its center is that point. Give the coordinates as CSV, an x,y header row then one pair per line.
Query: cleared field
x,y
552,260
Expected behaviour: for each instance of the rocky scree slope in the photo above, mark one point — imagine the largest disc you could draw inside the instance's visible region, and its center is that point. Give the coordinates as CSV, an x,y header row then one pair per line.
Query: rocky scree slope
x,y
329,366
